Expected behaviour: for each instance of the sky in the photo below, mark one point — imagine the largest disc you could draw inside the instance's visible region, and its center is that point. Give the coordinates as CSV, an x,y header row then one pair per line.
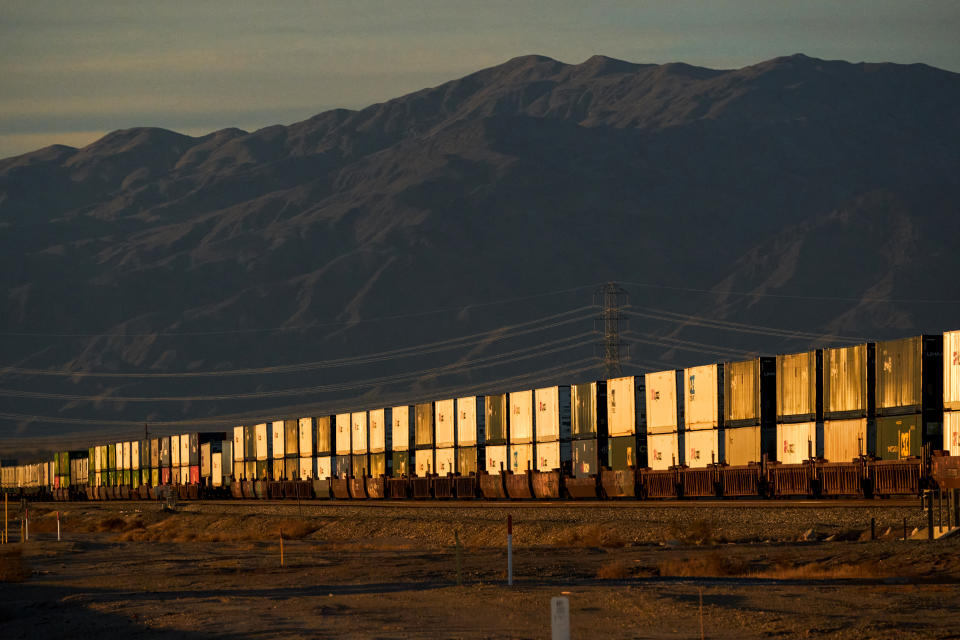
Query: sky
x,y
71,71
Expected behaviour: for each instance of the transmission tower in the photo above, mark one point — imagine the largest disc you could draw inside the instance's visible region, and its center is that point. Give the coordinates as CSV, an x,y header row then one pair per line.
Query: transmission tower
x,y
612,299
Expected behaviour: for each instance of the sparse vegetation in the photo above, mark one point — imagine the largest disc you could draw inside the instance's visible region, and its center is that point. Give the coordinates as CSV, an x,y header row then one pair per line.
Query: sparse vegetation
x,y
13,568
704,565
616,570
593,535
698,532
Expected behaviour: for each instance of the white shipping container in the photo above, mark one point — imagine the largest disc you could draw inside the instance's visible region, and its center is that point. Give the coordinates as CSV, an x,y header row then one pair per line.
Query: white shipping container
x,y
174,451
521,455
185,475
205,460
496,457
521,417
135,455
424,463
552,416
548,456
358,443
951,431
401,417
97,459
379,423
216,469
951,371
622,411
184,449
445,420
126,456
306,431
238,444
844,440
470,420
796,442
308,468
263,442
702,393
701,447
661,402
446,461
277,439
324,467
663,450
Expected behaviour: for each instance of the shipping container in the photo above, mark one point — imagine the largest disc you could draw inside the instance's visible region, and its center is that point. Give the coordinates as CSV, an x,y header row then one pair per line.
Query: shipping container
x,y
898,437
155,477
277,437
846,440
471,420
553,413
496,458
194,474
800,387
308,465
306,438
175,451
184,449
951,432
154,453
798,442
135,455
238,444
360,465
521,417
746,445
126,456
849,381
664,410
239,473
359,435
378,464
291,469
291,439
951,371
250,469
468,460
445,418
750,393
97,459
166,455
424,462
522,457
264,443
626,410
184,476
262,468
586,454
589,411
226,448
276,468
497,420
703,397
424,436
206,462
702,448
380,429
166,476
553,455
325,435
216,469
324,467
446,460
344,430
909,375
401,463
196,439
402,430
250,444
622,451
664,449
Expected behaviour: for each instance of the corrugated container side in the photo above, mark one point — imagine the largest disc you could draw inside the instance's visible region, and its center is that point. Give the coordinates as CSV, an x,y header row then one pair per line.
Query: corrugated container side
x,y
174,451
468,460
291,439
548,455
205,460
899,437
378,464
380,426
664,450
622,451
155,453
496,459
446,460
522,457
360,464
951,370
553,413
166,458
626,411
264,442
909,378
497,419
250,445
238,444
446,417
325,436
846,440
589,410
324,467
702,447
184,449
521,417
402,431
97,459
424,462
359,437
663,402
306,430
135,455
471,421
308,466
401,463
344,432
848,381
799,387
126,456
216,469
797,442
277,437
586,454
951,432
703,397
424,435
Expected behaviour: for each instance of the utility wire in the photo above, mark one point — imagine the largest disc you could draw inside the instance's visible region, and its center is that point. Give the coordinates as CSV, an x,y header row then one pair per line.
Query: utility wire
x,y
749,294
739,327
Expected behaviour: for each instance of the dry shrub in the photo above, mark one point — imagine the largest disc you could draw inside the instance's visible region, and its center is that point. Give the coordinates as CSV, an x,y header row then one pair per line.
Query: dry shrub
x,y
592,535
111,524
704,565
616,570
820,571
13,568
699,532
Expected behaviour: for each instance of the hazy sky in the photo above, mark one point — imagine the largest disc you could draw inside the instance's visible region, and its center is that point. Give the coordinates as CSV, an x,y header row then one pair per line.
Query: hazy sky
x,y
73,70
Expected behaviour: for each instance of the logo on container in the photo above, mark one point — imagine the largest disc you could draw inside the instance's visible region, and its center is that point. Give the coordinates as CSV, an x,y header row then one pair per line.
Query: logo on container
x,y
693,391
654,394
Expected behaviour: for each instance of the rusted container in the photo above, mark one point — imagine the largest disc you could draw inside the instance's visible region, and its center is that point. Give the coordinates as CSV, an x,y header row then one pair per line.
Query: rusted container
x,y
741,480
358,487
588,419
898,437
895,477
849,382
443,487
840,478
618,483
398,488
377,487
749,392
582,488
465,487
420,487
496,420
547,484
518,485
340,488
945,471
424,435
699,483
800,387
491,485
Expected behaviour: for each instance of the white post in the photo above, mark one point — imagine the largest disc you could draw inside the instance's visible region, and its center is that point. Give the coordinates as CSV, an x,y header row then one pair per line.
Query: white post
x,y
559,618
58,526
510,551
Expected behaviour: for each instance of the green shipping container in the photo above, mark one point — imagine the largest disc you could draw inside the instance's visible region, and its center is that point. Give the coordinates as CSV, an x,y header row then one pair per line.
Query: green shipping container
x,y
378,464
497,416
135,479
898,437
401,463
64,482
145,476
622,452
111,478
155,477
360,465
467,460
111,458
423,430
126,478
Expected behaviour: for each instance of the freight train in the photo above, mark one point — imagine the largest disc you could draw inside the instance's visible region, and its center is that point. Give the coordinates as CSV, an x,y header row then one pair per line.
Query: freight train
x,y
879,418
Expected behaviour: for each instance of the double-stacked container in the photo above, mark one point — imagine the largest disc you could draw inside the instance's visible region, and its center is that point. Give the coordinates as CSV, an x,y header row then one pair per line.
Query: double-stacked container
x,y
211,461
291,449
264,450
380,431
749,411
909,396
166,460
471,425
445,421
424,440
849,404
552,428
125,452
221,462
278,439
342,466
496,433
800,405
626,423
250,452
521,453
135,464
703,415
237,470
359,445
665,433
155,462
326,446
96,459
146,462
307,436
951,393
402,436
588,427
176,459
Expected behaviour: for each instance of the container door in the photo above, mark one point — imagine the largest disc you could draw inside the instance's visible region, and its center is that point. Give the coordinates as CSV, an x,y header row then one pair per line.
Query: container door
x,y
661,389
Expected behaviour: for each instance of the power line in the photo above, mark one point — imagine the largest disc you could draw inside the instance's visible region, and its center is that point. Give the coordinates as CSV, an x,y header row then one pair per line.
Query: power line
x,y
739,327
749,294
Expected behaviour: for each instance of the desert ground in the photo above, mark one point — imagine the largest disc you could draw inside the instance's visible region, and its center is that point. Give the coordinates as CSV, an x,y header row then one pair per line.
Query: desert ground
x,y
713,570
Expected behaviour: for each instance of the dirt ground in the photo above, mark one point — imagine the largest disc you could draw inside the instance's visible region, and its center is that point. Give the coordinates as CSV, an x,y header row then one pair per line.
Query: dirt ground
x,y
213,570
